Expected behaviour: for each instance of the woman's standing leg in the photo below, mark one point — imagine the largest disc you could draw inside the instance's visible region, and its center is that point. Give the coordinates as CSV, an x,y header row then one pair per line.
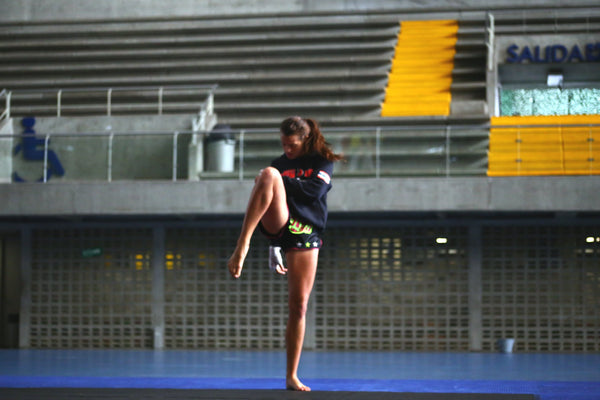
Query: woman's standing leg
x,y
268,205
302,269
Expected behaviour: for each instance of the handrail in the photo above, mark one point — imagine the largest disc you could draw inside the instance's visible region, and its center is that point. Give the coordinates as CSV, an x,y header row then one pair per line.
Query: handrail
x,y
6,112
213,87
208,103
175,136
109,152
438,138
490,37
441,129
241,155
201,122
45,172
59,102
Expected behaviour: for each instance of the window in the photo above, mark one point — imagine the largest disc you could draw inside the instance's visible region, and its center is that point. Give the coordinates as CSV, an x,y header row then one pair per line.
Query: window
x,y
551,101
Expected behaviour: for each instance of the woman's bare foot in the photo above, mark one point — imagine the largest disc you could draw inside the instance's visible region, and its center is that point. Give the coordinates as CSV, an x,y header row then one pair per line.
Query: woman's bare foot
x,y
295,384
236,261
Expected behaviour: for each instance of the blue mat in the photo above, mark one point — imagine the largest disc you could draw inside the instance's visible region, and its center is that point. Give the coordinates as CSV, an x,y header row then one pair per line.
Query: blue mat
x,y
548,376
544,390
232,394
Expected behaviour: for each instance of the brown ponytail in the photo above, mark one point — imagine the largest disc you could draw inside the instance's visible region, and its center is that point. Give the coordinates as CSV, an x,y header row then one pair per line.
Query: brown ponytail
x,y
313,139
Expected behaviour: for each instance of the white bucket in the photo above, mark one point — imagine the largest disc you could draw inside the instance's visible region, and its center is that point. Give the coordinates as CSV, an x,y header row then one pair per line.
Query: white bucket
x,y
506,345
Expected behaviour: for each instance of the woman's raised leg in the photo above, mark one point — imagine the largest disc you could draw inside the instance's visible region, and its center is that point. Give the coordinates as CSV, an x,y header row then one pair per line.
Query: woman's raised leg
x,y
267,203
302,269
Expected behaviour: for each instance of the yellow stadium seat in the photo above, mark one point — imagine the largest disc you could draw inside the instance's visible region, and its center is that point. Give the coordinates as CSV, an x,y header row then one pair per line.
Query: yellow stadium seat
x,y
520,146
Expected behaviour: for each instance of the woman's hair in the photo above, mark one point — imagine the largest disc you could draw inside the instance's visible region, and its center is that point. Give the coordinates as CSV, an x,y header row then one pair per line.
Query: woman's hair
x,y
312,138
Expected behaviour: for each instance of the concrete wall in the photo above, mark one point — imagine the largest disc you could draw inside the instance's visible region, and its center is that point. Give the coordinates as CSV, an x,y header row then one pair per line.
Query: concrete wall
x,y
138,152
45,10
138,198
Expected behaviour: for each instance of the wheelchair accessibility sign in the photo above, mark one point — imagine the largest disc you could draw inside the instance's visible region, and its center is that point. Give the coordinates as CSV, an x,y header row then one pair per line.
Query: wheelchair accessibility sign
x,y
32,150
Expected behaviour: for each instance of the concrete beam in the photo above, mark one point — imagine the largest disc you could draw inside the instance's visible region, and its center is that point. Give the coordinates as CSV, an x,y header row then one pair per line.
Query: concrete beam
x,y
535,193
41,10
464,194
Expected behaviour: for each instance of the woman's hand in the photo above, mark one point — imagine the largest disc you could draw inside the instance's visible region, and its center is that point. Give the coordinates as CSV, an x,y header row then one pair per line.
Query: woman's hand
x,y
276,261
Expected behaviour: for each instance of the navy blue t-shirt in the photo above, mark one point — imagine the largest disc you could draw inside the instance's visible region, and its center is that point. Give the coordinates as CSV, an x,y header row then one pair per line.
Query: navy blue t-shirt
x,y
307,180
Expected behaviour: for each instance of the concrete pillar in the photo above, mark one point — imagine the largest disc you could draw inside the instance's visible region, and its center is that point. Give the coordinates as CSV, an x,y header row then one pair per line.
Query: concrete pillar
x,y
158,287
25,313
475,290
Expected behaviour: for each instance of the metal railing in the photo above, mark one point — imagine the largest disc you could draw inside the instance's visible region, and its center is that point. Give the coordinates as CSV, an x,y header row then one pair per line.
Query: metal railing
x,y
101,100
5,114
490,38
369,152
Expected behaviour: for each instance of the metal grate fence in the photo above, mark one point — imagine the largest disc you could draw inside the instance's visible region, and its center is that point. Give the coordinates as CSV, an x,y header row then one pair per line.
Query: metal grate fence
x,y
402,287
206,308
91,288
541,285
394,289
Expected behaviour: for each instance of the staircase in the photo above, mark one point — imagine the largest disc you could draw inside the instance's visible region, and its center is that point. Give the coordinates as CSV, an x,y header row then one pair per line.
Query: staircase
x,y
420,79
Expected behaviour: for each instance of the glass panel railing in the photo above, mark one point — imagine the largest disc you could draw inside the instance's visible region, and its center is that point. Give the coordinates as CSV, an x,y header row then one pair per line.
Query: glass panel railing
x,y
368,152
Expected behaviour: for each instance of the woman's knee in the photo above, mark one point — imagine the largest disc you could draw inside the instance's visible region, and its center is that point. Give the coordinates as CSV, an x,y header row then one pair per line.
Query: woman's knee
x,y
271,173
298,308
268,175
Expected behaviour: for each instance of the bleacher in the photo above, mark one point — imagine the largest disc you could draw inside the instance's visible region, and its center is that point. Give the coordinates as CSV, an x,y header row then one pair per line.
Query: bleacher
x,y
332,67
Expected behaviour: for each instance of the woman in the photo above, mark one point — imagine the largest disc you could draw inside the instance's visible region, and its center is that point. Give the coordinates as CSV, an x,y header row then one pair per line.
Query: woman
x,y
289,204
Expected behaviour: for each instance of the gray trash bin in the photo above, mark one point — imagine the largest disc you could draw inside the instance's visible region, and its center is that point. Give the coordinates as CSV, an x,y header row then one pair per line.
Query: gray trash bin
x,y
220,150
